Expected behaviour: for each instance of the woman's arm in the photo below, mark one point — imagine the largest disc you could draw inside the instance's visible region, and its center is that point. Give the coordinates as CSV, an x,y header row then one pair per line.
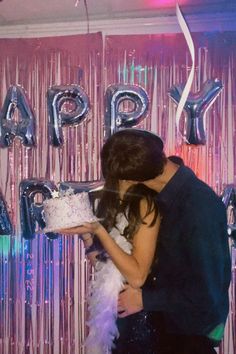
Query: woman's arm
x,y
134,267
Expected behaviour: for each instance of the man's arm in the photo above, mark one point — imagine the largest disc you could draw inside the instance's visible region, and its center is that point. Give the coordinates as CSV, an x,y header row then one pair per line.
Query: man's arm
x,y
130,301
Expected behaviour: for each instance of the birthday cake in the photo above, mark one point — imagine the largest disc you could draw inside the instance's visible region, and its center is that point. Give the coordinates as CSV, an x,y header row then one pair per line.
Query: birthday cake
x,y
66,211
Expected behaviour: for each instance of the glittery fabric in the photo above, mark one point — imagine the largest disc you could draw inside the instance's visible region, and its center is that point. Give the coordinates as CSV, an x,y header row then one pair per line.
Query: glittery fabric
x,y
138,334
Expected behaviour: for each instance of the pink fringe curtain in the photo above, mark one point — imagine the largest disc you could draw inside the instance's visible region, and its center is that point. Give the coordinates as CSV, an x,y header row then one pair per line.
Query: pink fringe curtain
x,y
43,282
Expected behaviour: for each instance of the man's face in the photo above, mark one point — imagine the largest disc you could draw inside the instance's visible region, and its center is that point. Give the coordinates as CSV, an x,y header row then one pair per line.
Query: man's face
x,y
154,184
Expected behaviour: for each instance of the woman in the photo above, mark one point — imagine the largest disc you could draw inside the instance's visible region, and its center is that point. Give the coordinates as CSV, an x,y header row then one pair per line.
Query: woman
x,y
129,207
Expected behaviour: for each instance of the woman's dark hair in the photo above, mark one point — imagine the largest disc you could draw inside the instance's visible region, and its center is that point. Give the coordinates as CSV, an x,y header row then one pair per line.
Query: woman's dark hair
x,y
133,154
110,206
129,154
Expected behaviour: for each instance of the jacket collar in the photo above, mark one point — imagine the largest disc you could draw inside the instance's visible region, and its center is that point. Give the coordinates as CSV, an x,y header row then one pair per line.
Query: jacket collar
x,y
171,190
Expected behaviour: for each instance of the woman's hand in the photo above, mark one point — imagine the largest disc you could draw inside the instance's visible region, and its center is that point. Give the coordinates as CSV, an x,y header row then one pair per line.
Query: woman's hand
x,y
92,228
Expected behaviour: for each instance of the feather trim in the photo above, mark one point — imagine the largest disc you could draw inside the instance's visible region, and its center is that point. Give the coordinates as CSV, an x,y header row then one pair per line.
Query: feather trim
x,y
102,304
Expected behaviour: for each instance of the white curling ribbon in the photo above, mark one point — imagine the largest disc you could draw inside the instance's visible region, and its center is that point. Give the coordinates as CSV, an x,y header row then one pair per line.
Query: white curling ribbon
x,y
189,82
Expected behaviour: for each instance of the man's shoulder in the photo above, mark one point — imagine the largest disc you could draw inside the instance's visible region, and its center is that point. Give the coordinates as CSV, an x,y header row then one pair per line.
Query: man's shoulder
x,y
200,206
190,182
197,192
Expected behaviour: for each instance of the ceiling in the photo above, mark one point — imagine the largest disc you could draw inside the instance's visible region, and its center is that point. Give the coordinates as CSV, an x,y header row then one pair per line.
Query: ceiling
x,y
18,12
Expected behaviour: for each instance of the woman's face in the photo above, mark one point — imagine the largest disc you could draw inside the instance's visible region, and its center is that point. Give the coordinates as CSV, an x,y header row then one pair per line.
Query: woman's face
x,y
124,185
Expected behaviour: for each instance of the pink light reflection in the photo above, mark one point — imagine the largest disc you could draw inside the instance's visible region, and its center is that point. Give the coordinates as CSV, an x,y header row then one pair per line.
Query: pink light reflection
x,y
166,3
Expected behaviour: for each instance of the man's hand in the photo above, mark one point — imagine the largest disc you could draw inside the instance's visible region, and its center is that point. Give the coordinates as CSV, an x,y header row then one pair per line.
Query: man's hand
x,y
130,301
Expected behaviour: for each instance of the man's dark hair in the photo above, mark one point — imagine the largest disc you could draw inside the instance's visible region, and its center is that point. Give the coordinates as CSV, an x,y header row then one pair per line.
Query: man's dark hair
x,y
176,159
133,154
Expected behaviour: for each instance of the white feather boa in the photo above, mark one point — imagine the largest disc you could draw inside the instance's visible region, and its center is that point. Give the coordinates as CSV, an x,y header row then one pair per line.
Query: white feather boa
x,y
102,303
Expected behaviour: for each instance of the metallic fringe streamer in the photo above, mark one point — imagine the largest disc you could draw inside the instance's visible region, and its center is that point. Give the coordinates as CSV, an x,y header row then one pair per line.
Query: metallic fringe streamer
x,y
43,282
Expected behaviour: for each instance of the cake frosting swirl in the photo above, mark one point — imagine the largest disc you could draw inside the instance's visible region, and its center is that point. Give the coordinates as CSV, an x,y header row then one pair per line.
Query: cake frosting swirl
x,y
66,211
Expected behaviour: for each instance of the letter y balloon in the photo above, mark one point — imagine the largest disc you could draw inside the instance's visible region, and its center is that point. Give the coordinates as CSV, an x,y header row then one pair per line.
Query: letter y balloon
x,y
196,107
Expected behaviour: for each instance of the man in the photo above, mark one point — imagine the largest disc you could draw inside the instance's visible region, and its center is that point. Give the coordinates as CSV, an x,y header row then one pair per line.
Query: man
x,y
188,282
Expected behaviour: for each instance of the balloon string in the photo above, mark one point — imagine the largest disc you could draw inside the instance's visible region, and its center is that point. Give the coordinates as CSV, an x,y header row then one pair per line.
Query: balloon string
x,y
189,82
86,11
87,14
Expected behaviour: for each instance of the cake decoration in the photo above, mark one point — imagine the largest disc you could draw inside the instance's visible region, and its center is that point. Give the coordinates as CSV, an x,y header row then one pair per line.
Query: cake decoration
x,y
66,209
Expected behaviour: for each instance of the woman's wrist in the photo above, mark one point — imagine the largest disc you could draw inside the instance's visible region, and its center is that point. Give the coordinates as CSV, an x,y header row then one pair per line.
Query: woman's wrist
x,y
89,244
91,248
86,237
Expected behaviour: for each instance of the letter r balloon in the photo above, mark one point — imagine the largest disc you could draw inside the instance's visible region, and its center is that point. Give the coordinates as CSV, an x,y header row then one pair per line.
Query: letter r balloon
x,y
30,211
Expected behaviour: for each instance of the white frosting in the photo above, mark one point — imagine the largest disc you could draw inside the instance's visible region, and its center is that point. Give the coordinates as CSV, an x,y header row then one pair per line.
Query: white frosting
x,y
68,211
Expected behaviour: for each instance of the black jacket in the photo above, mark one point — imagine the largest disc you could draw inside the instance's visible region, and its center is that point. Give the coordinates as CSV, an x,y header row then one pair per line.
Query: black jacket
x,y
191,273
